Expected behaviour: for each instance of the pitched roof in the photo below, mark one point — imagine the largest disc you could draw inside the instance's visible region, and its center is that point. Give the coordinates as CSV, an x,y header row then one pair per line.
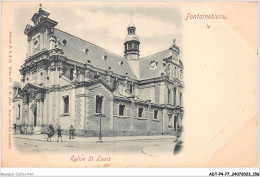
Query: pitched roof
x,y
147,71
75,50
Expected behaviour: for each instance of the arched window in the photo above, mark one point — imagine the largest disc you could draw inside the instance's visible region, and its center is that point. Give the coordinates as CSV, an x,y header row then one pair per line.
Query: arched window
x,y
99,102
140,112
180,99
65,104
129,45
131,88
155,114
19,111
121,110
135,45
71,73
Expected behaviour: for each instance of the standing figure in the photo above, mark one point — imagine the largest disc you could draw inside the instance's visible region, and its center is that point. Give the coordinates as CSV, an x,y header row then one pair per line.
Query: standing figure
x,y
59,134
72,131
14,129
50,132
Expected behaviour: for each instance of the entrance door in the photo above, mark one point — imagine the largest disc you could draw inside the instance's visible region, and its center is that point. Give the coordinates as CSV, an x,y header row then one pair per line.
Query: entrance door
x,y
35,116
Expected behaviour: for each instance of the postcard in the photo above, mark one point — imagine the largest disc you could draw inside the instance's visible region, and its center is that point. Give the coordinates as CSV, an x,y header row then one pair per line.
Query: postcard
x,y
129,84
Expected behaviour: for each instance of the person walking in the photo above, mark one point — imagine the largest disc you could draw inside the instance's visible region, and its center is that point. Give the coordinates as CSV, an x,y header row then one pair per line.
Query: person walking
x,y
59,134
72,131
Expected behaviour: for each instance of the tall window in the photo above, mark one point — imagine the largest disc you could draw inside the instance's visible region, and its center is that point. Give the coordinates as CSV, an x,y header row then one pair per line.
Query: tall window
x,y
121,110
169,94
71,73
19,111
155,114
140,112
131,88
174,96
129,45
66,104
180,99
99,100
174,71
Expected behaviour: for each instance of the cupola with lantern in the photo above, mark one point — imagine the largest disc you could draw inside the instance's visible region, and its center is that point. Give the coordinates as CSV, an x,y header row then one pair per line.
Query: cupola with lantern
x,y
131,43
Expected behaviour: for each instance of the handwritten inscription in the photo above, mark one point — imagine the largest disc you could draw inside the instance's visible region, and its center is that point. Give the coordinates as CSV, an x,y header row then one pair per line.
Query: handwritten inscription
x,y
213,16
82,158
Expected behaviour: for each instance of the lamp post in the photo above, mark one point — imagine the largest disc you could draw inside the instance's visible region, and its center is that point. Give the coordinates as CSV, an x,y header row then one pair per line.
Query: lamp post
x,y
100,123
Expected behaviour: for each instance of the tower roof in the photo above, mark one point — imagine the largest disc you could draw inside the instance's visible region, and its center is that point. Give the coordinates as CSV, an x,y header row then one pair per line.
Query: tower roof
x,y
131,25
132,37
174,47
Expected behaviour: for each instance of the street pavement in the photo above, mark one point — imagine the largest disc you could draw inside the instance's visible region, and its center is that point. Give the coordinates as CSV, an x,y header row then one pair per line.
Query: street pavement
x,y
147,145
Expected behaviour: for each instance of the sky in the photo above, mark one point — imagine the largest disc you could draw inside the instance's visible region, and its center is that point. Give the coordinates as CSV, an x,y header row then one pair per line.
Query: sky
x,y
105,24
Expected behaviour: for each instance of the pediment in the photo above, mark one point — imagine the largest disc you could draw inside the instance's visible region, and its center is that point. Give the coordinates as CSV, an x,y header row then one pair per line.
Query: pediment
x,y
31,88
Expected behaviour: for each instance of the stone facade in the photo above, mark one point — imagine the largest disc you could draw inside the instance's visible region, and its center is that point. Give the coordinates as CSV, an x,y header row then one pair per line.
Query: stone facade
x,y
68,81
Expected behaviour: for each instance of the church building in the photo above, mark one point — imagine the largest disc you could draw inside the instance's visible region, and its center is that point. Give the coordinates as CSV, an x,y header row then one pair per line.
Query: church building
x,y
68,81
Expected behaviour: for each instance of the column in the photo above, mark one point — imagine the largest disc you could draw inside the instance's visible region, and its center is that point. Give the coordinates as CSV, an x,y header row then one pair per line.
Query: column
x,y
162,93
87,75
112,113
124,86
58,76
149,117
177,97
45,121
50,105
165,120
41,111
171,96
132,114
38,123
30,117
57,107
52,74
23,111
73,107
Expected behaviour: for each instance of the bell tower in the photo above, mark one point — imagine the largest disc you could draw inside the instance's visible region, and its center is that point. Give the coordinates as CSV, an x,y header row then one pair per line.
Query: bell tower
x,y
38,34
132,49
174,50
131,43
